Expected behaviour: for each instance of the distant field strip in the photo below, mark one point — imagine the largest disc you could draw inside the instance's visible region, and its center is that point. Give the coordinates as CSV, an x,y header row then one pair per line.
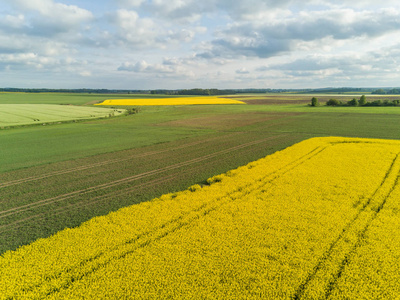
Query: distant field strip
x,y
172,101
298,224
25,114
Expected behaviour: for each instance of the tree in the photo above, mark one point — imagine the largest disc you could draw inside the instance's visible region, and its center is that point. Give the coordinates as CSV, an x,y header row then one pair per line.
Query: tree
x,y
394,91
379,92
314,102
353,102
362,101
332,102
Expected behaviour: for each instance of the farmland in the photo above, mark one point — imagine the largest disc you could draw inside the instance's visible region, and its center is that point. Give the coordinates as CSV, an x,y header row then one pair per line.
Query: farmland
x,y
171,101
66,98
27,114
58,176
240,234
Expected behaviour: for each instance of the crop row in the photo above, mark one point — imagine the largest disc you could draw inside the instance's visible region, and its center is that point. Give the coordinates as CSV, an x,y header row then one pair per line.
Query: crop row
x,y
296,224
24,114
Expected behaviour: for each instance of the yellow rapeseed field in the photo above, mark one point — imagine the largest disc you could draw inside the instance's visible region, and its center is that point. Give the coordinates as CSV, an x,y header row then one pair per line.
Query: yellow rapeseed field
x,y
171,101
318,220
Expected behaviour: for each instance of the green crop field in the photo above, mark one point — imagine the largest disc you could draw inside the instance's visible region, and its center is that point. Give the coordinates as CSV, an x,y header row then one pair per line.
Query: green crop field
x,y
58,176
28,114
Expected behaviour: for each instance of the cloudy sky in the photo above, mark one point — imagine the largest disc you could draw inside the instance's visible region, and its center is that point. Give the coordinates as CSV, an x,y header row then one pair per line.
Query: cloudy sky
x,y
173,44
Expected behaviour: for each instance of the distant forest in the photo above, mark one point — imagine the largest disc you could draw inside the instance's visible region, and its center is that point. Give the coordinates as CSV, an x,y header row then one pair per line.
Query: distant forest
x,y
211,92
387,92
197,91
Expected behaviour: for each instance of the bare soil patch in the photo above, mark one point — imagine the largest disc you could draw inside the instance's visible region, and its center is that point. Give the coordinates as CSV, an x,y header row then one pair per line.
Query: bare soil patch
x,y
306,99
229,121
275,101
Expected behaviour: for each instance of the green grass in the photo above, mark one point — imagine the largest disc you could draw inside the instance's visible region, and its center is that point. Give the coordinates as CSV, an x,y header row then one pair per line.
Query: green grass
x,y
46,98
90,168
26,147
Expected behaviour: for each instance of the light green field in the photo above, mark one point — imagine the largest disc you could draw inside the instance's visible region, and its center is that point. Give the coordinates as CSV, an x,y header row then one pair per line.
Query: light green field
x,y
68,98
27,114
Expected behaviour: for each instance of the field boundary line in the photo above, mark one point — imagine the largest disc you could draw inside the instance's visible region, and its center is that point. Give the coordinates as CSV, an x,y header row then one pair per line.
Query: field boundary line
x,y
80,204
83,203
102,163
325,273
180,222
94,263
22,208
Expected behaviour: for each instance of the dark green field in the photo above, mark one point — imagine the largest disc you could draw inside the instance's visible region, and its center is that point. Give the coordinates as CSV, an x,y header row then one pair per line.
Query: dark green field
x,y
58,176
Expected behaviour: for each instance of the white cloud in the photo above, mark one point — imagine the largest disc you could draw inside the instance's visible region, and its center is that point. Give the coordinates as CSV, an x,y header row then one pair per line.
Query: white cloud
x,y
169,68
190,11
188,41
270,38
182,35
10,21
39,5
242,71
130,3
140,32
143,67
340,68
186,11
22,60
85,73
49,17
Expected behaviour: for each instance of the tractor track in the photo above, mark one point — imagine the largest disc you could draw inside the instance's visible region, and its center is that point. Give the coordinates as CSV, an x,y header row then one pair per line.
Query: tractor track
x,y
103,163
346,243
92,264
63,197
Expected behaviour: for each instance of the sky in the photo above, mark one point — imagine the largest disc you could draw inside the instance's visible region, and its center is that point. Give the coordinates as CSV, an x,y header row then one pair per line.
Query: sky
x,y
182,44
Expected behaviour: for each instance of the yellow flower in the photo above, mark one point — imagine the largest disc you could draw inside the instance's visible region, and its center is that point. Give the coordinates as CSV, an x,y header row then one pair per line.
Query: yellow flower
x,y
319,219
171,101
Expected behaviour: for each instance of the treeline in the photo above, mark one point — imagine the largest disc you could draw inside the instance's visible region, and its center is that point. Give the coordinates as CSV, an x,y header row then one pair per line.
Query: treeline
x,y
196,91
207,92
199,92
357,102
78,91
341,90
216,92
395,91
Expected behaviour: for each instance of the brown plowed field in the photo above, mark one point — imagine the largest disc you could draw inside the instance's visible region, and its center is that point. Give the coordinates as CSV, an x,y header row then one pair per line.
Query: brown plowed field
x,y
305,99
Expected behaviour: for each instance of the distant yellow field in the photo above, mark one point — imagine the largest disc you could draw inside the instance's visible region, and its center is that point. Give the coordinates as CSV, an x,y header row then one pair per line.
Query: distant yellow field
x,y
318,220
171,101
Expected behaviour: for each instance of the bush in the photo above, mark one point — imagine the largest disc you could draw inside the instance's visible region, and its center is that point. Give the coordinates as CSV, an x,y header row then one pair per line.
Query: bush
x,y
353,102
332,102
374,103
132,111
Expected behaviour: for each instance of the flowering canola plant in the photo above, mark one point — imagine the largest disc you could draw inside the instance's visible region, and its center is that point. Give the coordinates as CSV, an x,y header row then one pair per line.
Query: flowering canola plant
x,y
171,101
317,220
